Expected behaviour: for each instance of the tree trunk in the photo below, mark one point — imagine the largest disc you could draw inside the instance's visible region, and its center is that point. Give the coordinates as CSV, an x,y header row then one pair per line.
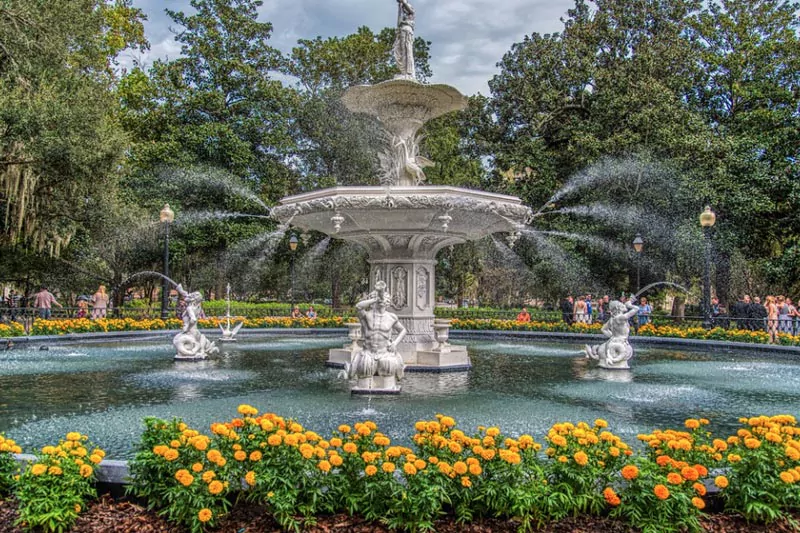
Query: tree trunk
x,y
723,277
679,308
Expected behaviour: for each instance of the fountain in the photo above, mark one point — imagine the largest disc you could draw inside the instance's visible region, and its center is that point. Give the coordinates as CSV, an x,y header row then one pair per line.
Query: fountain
x,y
228,334
404,223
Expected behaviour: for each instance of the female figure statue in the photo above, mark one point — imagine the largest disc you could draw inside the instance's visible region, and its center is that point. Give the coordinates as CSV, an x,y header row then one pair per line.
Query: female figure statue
x,y
404,41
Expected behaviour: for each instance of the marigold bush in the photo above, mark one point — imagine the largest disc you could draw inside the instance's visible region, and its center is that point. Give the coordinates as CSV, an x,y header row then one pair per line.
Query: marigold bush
x,y
54,489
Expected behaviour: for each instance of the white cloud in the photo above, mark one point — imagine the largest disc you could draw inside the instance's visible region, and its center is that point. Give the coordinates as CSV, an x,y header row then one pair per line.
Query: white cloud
x,y
468,37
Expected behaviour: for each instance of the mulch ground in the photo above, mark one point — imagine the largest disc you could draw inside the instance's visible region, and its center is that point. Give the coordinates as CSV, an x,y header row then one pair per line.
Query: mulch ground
x,y
110,516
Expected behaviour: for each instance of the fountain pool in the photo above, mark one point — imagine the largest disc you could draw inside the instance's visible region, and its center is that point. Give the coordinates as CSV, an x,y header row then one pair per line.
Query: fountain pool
x,y
104,389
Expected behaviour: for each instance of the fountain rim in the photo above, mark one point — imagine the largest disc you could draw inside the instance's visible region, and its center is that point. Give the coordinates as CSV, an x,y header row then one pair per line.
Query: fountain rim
x,y
407,190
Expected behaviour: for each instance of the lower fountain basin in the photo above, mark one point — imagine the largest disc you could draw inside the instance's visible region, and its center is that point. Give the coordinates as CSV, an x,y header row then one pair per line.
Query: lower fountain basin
x,y
106,389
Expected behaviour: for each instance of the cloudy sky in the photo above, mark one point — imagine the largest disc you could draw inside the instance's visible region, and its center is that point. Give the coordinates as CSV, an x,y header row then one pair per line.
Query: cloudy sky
x,y
468,37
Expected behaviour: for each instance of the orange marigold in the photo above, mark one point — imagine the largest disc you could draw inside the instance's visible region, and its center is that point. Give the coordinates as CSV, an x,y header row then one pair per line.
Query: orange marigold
x,y
630,472
661,492
674,478
698,502
611,497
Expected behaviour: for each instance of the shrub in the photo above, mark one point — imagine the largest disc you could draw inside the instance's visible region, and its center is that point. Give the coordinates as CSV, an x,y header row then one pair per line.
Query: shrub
x,y
54,489
8,466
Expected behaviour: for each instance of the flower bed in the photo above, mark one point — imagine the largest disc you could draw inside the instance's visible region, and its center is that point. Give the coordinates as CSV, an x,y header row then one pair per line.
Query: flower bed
x,y
191,478
84,325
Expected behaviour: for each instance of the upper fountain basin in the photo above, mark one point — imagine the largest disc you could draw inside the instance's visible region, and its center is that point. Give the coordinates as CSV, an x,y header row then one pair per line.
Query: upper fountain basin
x,y
403,220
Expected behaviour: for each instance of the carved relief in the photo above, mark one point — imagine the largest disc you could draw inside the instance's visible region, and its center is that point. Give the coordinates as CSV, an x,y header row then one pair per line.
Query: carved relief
x,y
377,275
399,241
422,289
399,287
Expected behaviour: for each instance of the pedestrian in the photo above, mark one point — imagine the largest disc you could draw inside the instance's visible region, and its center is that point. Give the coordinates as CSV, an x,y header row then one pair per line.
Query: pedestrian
x,y
99,302
579,310
645,309
296,312
43,301
795,314
12,302
524,315
784,315
588,308
311,313
771,308
602,308
566,310
758,315
83,308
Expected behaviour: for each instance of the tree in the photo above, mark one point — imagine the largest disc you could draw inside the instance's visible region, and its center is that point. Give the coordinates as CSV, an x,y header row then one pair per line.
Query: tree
x,y
60,147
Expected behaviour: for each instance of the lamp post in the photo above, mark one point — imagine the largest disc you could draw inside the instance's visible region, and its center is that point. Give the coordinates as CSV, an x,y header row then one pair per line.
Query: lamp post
x,y
292,248
707,220
166,216
638,244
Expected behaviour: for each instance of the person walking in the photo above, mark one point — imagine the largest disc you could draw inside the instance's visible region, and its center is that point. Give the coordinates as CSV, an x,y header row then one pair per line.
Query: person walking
x,y
99,302
43,301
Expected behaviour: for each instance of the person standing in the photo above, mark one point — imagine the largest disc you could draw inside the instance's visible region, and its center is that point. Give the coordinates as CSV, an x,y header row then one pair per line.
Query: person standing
x,y
43,301
645,310
588,308
784,315
580,310
758,315
99,302
771,308
566,310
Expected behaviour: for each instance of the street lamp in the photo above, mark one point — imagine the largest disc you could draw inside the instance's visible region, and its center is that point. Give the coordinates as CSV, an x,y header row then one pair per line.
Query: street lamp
x,y
707,219
638,244
166,216
292,248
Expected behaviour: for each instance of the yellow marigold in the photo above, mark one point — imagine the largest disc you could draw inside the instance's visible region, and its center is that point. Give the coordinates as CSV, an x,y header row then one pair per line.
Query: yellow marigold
x,y
466,482
73,436
786,477
420,426
460,468
630,472
475,469
600,423
661,492
250,478
215,487
55,471
197,467
792,453
493,431
86,470
208,476
488,454
692,423
247,410
324,465
336,460
77,508
454,447
38,469
205,515
187,479
699,488
721,482
409,469
752,443
274,440
558,440
611,497
581,458
563,459
674,478
734,458
698,502
388,467
175,444
350,447
420,464
371,470
447,421
240,455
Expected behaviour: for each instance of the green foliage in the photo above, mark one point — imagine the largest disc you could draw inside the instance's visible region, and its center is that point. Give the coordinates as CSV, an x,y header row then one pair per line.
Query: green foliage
x,y
8,466
53,490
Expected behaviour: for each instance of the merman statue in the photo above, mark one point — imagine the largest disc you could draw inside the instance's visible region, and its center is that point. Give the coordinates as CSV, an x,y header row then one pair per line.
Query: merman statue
x,y
616,351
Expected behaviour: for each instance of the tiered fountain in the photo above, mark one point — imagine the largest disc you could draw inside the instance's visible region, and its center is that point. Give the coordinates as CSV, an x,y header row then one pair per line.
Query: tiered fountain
x,y
404,223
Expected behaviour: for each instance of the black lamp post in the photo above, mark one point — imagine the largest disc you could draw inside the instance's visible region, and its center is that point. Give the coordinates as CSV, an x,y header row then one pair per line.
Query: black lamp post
x,y
638,244
707,220
166,216
292,248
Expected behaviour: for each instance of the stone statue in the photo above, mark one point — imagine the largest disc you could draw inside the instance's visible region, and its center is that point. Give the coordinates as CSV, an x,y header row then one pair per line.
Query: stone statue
x,y
404,41
378,356
616,351
190,343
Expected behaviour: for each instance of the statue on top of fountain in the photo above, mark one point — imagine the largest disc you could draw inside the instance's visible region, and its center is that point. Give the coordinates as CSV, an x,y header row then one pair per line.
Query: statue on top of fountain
x,y
616,351
404,41
190,343
378,366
